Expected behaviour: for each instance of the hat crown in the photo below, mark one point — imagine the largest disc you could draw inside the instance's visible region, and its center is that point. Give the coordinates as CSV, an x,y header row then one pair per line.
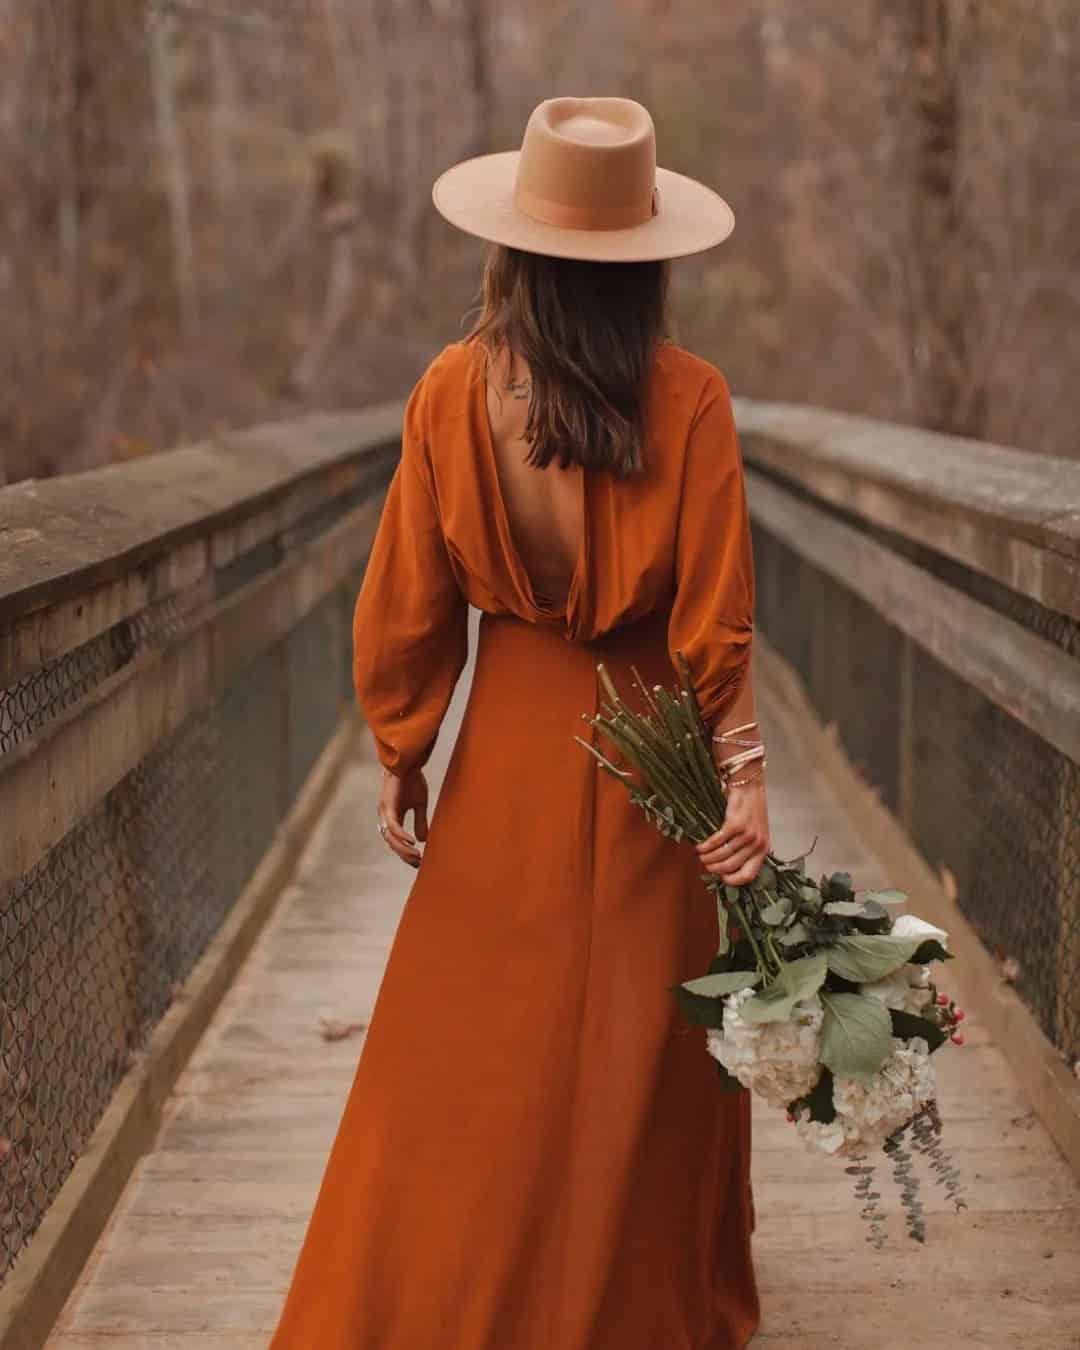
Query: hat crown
x,y
588,163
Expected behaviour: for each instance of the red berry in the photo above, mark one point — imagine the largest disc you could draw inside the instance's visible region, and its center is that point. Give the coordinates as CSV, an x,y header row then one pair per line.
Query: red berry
x,y
943,1000
791,1115
957,1038
959,1015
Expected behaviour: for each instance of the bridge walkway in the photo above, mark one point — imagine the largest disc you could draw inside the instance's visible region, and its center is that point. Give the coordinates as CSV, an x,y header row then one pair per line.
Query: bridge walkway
x,y
199,1251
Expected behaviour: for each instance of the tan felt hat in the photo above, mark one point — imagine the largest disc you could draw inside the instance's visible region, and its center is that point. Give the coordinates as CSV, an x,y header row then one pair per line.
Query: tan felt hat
x,y
584,185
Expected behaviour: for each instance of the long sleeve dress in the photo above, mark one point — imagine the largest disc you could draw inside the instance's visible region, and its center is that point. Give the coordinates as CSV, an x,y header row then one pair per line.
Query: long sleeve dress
x,y
535,1153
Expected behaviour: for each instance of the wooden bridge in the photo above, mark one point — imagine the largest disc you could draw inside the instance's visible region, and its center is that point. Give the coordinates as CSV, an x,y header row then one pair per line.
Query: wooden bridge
x,y
192,892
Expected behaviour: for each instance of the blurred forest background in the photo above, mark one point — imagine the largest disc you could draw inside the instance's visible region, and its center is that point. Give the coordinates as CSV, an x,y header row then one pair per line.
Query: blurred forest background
x,y
217,212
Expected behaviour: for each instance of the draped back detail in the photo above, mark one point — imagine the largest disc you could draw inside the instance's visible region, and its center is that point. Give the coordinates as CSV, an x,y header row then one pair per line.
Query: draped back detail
x,y
675,537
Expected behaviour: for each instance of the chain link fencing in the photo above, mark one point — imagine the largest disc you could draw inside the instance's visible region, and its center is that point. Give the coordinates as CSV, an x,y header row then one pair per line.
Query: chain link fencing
x,y
990,804
97,939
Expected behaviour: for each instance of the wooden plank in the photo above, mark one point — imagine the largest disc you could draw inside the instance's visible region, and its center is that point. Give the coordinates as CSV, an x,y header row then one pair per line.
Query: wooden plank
x,y
1004,491
186,570
69,534
51,781
33,641
1030,678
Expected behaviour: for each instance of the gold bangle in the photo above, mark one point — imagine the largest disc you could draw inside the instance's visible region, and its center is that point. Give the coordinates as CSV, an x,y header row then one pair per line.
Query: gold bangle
x,y
735,762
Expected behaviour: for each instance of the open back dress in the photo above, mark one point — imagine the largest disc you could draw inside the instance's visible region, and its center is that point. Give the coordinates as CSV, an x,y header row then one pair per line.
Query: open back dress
x,y
535,1153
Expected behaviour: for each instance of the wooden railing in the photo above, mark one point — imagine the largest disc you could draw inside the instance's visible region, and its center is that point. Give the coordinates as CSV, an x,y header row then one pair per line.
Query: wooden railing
x,y
925,592
174,663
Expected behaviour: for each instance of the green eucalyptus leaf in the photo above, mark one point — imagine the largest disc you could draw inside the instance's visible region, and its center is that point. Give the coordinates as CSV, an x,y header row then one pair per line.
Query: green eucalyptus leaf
x,y
856,1035
844,907
887,897
873,919
791,937
810,897
776,912
838,887
869,956
718,986
766,878
797,980
732,894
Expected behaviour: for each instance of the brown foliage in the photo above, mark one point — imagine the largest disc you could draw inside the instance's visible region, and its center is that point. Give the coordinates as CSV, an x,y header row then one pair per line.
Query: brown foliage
x,y
219,211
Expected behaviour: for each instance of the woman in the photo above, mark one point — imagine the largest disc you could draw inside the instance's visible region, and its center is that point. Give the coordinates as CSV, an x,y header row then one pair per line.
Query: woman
x,y
535,1153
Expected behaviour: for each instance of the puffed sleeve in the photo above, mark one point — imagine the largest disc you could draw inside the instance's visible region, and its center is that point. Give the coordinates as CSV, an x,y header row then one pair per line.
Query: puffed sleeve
x,y
712,616
410,623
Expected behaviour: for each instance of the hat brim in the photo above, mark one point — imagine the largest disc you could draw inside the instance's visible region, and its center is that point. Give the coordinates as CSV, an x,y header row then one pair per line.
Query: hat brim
x,y
477,196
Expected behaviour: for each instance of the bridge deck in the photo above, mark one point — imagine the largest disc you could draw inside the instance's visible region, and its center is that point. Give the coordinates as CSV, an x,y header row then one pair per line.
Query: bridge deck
x,y
200,1249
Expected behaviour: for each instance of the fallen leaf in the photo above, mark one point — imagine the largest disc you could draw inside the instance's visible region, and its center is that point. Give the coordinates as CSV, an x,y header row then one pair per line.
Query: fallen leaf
x,y
334,1029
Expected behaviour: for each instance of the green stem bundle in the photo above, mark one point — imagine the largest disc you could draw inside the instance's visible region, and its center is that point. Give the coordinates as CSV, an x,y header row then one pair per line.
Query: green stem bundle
x,y
668,745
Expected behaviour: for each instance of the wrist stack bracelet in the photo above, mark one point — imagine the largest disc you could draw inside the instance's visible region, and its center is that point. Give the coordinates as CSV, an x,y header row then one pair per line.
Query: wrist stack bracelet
x,y
754,753
745,782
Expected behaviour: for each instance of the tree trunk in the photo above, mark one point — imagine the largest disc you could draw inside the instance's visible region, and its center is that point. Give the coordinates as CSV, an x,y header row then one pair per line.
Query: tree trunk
x,y
941,255
477,26
223,77
160,29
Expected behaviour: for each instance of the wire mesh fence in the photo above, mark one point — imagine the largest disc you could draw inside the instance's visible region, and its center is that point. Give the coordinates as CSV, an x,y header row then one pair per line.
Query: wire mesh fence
x,y
97,939
984,798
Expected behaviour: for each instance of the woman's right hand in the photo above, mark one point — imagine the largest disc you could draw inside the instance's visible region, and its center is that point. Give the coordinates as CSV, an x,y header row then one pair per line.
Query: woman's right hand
x,y
398,797
735,853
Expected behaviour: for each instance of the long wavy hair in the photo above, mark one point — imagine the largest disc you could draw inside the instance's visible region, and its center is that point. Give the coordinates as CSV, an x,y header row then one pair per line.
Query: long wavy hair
x,y
588,332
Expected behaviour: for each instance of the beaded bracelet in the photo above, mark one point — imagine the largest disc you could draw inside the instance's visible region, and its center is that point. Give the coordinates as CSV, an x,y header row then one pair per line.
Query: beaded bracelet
x,y
745,782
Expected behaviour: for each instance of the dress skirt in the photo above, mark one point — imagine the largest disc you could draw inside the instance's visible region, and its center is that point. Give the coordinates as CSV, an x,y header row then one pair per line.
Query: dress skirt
x,y
535,1153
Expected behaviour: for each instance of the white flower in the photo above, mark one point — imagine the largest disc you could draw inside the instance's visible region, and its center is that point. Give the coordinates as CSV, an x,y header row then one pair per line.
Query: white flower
x,y
867,1115
906,990
777,1060
911,926
827,1138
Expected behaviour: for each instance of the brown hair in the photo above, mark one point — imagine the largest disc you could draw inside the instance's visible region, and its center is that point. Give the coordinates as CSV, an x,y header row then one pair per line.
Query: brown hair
x,y
588,332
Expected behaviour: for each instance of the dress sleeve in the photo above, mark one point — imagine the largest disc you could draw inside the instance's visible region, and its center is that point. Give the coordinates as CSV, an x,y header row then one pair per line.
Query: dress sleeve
x,y
712,616
410,623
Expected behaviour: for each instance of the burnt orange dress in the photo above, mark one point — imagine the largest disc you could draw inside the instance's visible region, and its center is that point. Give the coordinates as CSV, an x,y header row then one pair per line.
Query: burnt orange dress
x,y
535,1153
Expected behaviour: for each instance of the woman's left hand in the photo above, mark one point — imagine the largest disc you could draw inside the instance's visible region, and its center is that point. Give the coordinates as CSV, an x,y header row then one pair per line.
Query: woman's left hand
x,y
399,796
737,850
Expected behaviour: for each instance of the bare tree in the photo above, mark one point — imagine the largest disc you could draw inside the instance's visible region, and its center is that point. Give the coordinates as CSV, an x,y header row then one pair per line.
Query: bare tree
x,y
214,207
481,86
926,97
160,31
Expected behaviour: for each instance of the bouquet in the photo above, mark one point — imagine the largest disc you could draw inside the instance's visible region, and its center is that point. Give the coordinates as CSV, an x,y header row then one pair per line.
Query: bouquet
x,y
818,999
